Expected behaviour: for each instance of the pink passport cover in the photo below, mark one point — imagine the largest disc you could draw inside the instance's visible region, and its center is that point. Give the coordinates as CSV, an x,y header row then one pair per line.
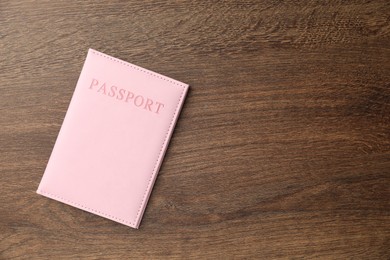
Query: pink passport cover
x,y
113,139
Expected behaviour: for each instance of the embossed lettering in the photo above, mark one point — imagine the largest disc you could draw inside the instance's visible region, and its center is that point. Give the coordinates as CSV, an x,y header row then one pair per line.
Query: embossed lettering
x,y
103,88
125,95
112,91
159,105
148,103
138,104
121,94
94,82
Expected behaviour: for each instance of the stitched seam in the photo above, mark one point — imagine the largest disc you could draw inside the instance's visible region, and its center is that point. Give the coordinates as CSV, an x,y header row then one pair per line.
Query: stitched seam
x,y
151,73
86,208
170,125
158,158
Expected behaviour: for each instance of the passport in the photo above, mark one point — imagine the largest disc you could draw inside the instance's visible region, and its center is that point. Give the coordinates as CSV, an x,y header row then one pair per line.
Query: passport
x,y
113,139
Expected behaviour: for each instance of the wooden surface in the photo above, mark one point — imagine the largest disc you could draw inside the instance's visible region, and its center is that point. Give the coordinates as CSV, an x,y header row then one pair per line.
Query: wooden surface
x,y
282,149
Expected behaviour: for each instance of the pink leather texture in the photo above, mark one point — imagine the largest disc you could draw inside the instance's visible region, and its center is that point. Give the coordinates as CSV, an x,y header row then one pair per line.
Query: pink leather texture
x,y
113,139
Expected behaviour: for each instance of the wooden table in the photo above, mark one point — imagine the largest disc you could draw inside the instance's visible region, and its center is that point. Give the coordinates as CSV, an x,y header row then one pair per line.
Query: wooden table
x,y
282,149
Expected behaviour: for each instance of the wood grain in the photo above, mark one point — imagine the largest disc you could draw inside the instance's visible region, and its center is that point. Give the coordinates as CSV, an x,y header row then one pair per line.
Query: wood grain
x,y
282,149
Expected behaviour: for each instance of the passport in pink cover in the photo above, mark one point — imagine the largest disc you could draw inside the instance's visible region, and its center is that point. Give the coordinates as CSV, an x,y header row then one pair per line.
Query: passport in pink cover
x,y
113,139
